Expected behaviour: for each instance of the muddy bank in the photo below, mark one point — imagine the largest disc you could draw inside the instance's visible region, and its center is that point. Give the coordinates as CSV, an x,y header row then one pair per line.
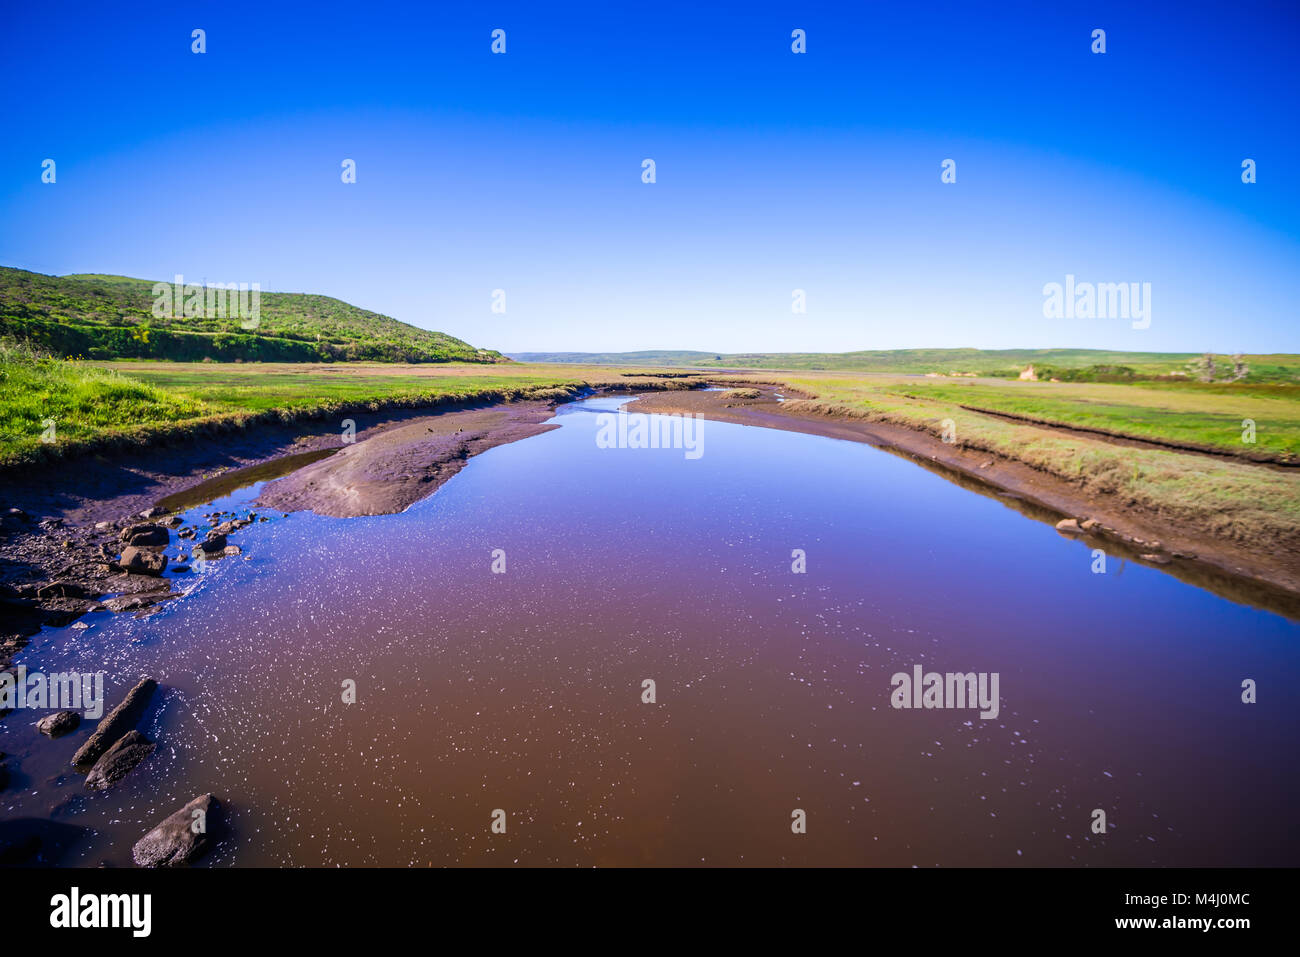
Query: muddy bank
x,y
62,553
1268,579
396,467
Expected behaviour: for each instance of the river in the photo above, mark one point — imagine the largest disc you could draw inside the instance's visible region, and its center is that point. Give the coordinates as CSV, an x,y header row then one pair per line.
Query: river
x,y
521,690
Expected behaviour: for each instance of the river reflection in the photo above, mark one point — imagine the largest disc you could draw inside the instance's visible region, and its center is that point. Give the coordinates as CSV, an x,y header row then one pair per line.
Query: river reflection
x,y
523,691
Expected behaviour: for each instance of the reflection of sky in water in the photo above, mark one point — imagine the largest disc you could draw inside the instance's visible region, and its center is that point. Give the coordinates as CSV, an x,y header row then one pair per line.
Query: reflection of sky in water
x,y
522,691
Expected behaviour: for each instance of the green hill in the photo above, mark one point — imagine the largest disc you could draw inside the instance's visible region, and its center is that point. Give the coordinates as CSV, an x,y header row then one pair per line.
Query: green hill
x,y
987,362
114,317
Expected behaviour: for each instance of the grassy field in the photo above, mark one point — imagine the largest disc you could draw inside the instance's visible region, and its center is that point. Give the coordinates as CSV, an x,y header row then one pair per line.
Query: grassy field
x,y
51,402
984,362
1249,504
1204,415
110,317
98,405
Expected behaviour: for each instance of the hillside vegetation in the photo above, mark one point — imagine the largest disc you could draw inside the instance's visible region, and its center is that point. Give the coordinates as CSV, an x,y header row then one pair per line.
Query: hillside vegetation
x,y
112,317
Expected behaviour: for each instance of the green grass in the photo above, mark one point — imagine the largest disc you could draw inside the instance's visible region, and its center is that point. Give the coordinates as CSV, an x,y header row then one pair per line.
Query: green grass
x,y
1249,504
80,400
1192,414
106,317
261,386
102,405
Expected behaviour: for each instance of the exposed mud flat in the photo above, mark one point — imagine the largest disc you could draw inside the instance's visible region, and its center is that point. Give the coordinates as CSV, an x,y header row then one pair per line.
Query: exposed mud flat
x,y
397,467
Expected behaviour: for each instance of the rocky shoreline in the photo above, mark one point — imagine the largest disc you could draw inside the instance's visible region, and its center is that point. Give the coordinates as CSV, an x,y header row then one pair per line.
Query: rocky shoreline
x,y
57,572
89,552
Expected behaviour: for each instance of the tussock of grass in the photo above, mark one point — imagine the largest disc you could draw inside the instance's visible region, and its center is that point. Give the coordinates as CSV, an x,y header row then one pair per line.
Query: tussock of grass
x,y
43,397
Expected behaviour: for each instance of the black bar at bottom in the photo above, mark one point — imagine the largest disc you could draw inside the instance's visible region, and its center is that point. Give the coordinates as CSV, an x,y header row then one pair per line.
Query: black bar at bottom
x,y
972,906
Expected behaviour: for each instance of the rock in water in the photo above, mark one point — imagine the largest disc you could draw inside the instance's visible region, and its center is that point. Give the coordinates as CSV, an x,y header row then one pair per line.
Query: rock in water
x,y
58,724
175,842
117,762
212,546
116,723
146,534
1068,525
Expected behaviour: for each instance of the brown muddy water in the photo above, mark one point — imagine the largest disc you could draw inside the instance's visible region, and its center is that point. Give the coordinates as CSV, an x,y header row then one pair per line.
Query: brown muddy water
x,y
522,691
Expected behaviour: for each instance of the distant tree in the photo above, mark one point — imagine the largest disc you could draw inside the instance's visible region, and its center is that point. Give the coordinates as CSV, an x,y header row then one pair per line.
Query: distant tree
x,y
1239,368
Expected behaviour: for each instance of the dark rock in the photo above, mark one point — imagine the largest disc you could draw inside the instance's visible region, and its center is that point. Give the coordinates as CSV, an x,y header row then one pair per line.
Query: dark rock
x,y
146,534
174,842
212,545
136,602
62,615
118,761
61,590
135,584
116,723
58,724
142,561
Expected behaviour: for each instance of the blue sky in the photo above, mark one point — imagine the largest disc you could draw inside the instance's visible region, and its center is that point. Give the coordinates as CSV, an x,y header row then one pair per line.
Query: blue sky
x,y
775,171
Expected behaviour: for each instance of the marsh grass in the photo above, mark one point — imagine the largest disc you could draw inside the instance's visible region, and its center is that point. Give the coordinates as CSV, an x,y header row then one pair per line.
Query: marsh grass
x,y
82,399
1207,416
1250,504
101,406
